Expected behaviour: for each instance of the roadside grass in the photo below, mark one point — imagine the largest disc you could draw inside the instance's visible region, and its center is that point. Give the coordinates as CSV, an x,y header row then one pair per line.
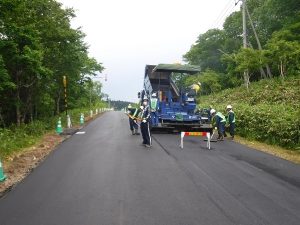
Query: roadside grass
x,y
16,139
290,155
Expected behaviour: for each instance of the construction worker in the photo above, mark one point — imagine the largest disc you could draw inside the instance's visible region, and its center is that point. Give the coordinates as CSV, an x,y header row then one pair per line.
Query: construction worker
x,y
220,121
132,114
145,123
231,120
153,102
209,114
196,87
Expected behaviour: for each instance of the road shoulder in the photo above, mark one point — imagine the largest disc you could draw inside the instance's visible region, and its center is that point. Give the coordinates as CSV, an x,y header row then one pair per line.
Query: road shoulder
x,y
290,155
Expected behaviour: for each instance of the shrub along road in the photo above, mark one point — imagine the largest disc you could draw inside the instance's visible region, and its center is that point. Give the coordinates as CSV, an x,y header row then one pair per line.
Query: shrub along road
x,y
104,176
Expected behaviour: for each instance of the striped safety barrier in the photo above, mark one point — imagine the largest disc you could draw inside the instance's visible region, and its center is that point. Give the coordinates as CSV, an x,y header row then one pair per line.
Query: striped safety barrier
x,y
203,134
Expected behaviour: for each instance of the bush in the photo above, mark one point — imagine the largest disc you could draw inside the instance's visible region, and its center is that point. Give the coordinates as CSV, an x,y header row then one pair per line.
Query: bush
x,y
16,138
269,112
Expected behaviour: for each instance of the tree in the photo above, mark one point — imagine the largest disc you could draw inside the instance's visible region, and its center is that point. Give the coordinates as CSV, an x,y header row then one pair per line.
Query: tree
x,y
248,59
37,48
205,52
210,82
277,28
284,49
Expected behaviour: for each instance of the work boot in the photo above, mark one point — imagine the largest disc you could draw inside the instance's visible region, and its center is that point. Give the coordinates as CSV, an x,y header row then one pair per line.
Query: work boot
x,y
148,146
132,132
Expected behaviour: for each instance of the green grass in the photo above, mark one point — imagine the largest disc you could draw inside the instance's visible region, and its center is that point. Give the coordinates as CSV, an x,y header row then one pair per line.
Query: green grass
x,y
268,112
15,138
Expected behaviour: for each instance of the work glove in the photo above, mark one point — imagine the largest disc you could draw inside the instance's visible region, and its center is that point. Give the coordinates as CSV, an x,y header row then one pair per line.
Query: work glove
x,y
144,121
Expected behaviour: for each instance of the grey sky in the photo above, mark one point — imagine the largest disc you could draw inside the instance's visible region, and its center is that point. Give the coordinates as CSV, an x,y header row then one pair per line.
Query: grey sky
x,y
127,35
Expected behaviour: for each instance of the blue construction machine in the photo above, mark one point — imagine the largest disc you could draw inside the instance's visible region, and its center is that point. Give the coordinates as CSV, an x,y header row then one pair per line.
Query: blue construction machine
x,y
172,108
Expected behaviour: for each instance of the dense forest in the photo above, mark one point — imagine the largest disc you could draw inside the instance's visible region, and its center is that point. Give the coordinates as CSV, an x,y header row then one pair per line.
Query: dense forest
x,y
119,105
273,47
38,48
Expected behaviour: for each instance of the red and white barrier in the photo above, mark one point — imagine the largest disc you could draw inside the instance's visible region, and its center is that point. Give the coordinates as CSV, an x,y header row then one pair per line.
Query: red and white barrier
x,y
203,134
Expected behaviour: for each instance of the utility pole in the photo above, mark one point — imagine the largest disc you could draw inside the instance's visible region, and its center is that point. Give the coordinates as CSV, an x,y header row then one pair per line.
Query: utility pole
x,y
259,45
244,24
246,73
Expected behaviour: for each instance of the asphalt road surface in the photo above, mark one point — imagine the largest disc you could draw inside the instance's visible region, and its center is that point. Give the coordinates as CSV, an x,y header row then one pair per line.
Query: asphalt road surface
x,y
106,177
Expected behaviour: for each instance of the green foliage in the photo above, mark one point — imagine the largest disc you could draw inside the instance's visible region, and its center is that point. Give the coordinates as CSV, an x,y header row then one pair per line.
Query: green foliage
x,y
277,26
249,59
210,82
119,105
268,112
37,48
16,138
284,49
206,52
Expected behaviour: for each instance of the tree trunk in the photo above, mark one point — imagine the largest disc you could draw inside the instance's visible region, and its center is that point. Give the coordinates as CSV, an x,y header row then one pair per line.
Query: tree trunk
x,y
18,97
1,119
18,106
270,75
262,73
18,114
246,79
35,111
31,112
57,104
281,69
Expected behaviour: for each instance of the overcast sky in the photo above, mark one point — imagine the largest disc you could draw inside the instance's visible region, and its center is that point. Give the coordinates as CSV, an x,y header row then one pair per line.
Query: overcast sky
x,y
125,35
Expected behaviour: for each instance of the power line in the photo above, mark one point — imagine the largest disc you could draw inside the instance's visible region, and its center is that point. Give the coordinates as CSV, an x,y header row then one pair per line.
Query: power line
x,y
228,12
224,13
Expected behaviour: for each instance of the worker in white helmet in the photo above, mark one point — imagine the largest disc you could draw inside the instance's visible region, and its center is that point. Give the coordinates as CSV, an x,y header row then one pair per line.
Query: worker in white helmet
x,y
219,121
231,120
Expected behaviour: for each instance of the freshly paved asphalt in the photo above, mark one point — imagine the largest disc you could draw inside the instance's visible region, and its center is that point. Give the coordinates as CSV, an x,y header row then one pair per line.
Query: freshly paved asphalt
x,y
105,177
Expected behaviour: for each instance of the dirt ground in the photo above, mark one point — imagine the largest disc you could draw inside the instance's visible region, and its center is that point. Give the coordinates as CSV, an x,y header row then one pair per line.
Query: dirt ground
x,y
18,165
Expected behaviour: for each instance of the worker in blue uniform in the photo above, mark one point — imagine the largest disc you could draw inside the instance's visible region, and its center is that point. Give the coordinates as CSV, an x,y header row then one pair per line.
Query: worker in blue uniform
x,y
219,121
231,120
145,123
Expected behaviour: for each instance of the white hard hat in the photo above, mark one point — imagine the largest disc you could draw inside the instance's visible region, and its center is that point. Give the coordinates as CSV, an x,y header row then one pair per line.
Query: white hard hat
x,y
145,98
229,107
153,95
212,111
129,106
